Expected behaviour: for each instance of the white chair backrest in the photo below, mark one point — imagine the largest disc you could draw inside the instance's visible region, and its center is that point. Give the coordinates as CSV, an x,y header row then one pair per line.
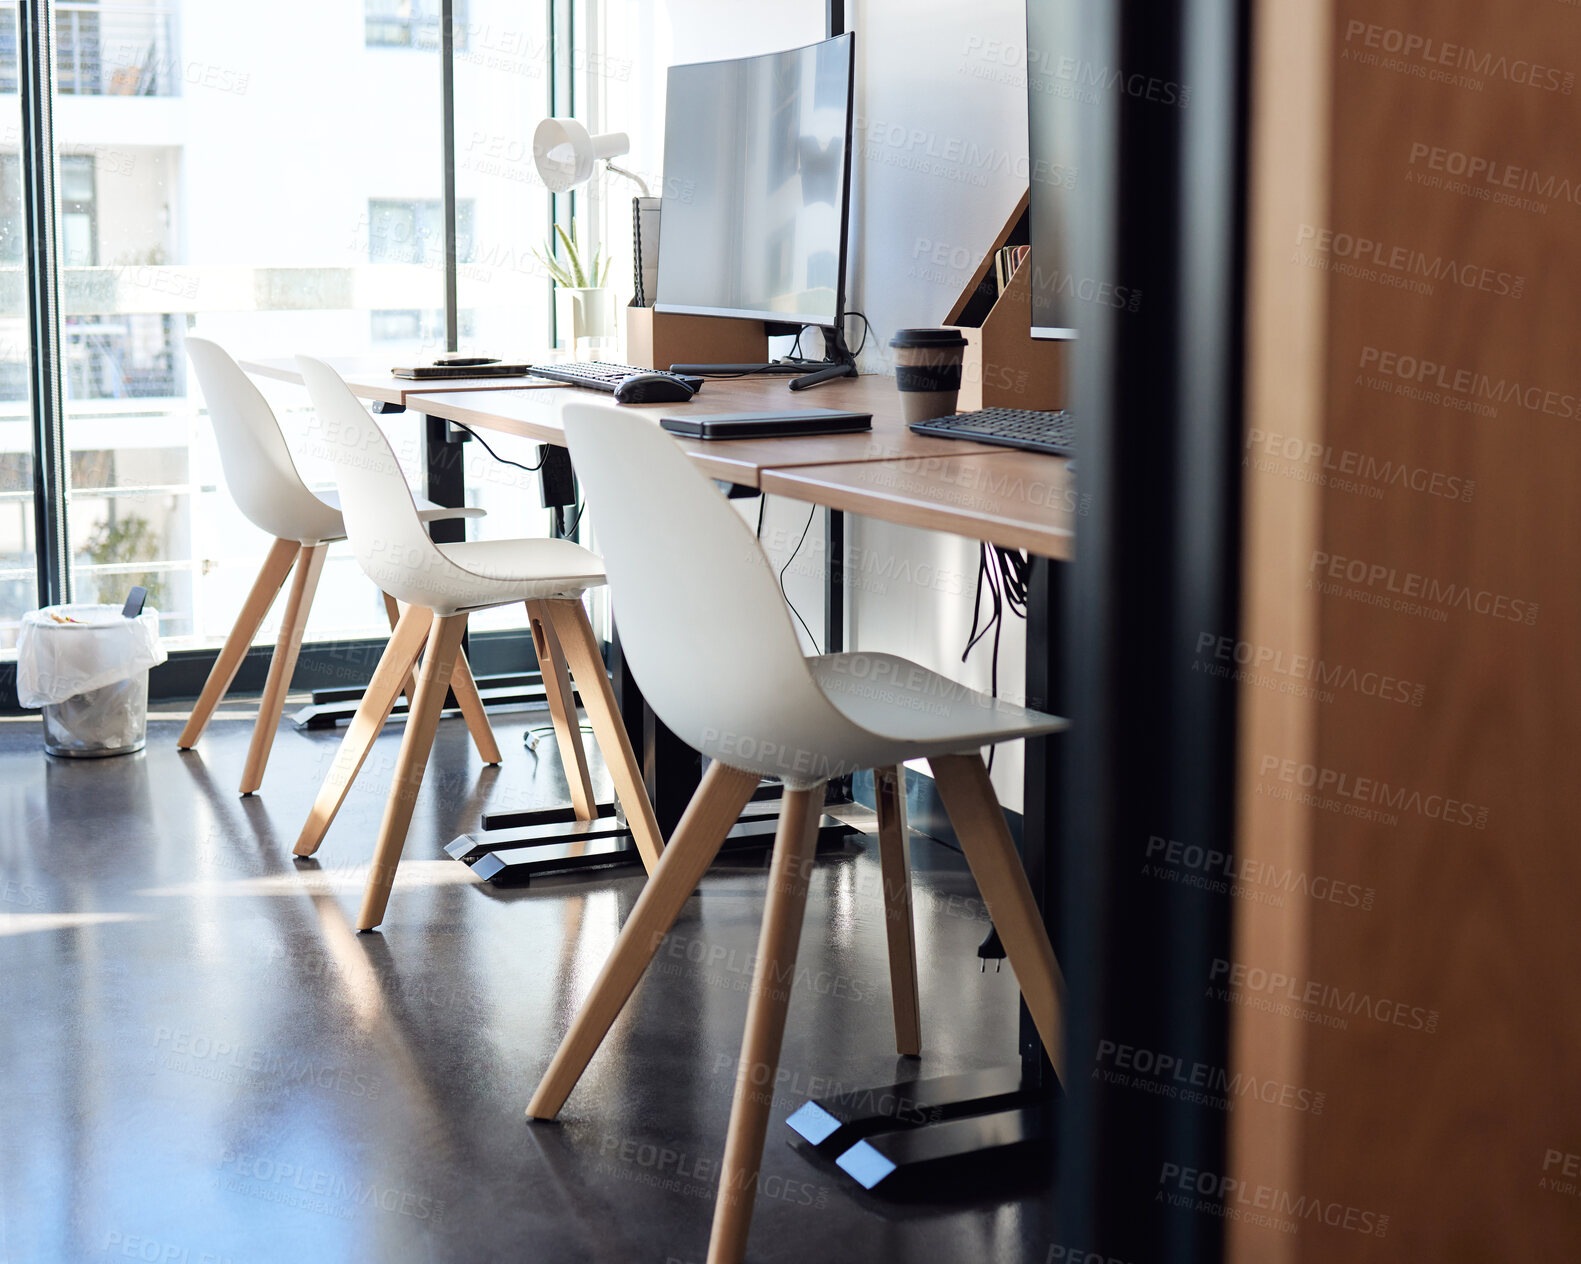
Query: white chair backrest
x,y
388,538
262,478
701,618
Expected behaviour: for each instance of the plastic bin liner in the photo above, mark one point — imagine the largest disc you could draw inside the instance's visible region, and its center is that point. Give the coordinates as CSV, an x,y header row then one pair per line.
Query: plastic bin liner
x,y
64,651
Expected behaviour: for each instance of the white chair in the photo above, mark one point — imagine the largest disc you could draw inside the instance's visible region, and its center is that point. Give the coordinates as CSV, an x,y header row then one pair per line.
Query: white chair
x,y
267,488
441,584
706,634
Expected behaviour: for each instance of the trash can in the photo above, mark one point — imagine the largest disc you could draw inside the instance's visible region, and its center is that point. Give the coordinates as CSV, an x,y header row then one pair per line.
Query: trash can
x,y
87,667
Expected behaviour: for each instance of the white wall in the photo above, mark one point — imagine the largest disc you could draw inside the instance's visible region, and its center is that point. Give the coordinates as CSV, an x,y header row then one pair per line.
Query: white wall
x,y
938,164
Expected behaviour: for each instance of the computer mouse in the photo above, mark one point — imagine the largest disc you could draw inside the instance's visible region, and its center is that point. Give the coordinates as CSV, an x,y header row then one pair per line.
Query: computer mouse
x,y
653,388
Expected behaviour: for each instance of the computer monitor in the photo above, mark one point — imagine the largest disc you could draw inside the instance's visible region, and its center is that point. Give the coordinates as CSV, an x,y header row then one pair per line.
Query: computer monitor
x,y
757,174
1051,143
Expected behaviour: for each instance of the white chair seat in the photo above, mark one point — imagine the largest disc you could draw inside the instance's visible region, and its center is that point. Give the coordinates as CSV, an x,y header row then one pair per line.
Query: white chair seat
x,y
427,512
522,570
912,712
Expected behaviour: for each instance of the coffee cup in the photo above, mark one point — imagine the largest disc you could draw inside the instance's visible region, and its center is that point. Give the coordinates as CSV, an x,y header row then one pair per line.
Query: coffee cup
x,y
928,371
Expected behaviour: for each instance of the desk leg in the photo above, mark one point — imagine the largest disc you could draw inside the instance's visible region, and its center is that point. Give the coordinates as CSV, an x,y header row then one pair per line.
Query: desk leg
x,y
446,480
839,788
1041,794
991,1118
834,585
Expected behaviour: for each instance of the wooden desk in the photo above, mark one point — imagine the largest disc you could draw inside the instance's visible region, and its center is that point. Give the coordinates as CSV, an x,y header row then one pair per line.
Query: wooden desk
x,y
535,414
370,378
1020,500
530,408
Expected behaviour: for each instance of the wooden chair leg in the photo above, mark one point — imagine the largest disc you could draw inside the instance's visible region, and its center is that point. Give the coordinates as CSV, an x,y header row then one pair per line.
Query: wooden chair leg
x,y
310,563
562,710
772,983
465,689
575,635
378,700
471,704
392,610
271,576
894,855
979,823
444,639
714,808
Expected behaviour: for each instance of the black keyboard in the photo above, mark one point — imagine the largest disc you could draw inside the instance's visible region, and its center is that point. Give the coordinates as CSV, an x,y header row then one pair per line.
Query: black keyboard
x,y
1053,433
600,375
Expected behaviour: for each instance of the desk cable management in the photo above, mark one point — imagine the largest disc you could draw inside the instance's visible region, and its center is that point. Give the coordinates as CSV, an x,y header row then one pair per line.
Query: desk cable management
x,y
1006,574
796,351
543,454
533,736
763,501
543,450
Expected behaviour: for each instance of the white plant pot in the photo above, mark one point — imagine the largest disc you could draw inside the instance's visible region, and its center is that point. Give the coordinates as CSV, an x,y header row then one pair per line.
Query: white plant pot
x,y
583,314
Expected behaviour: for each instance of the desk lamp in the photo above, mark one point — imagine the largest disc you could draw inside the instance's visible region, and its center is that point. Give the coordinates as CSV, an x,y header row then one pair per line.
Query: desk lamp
x,y
565,151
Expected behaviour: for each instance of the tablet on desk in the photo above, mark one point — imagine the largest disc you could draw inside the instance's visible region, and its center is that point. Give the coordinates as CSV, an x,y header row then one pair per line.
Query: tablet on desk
x,y
798,421
439,371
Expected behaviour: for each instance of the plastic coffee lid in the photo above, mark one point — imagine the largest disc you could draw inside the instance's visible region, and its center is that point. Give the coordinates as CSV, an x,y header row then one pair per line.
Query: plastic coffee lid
x,y
928,338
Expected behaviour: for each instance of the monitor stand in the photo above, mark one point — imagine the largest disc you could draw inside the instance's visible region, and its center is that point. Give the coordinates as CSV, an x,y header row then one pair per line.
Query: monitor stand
x,y
837,362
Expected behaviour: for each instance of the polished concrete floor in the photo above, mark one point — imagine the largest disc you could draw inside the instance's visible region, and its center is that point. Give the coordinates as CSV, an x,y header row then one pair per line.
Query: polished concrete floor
x,y
201,1062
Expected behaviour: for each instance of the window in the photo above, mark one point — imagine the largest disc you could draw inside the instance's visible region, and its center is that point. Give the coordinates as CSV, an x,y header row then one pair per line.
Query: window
x,y
79,235
414,232
176,219
424,327
410,23
132,356
103,49
156,245
79,58
131,523
9,75
78,221
18,560
12,242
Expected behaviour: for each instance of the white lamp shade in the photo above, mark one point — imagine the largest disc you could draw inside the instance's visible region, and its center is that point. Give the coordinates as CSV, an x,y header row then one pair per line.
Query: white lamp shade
x,y
564,152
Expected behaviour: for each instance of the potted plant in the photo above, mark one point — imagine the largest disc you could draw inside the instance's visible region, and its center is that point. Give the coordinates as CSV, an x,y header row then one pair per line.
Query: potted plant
x,y
583,307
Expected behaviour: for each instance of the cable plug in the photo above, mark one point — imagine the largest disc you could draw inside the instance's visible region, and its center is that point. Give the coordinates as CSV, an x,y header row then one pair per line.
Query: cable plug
x,y
991,948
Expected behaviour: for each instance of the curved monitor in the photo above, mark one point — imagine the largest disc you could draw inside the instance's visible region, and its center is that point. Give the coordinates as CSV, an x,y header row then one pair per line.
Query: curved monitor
x,y
757,173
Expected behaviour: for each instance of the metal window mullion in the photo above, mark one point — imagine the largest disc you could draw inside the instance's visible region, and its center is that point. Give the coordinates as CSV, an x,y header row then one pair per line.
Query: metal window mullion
x,y
36,82
447,133
562,104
